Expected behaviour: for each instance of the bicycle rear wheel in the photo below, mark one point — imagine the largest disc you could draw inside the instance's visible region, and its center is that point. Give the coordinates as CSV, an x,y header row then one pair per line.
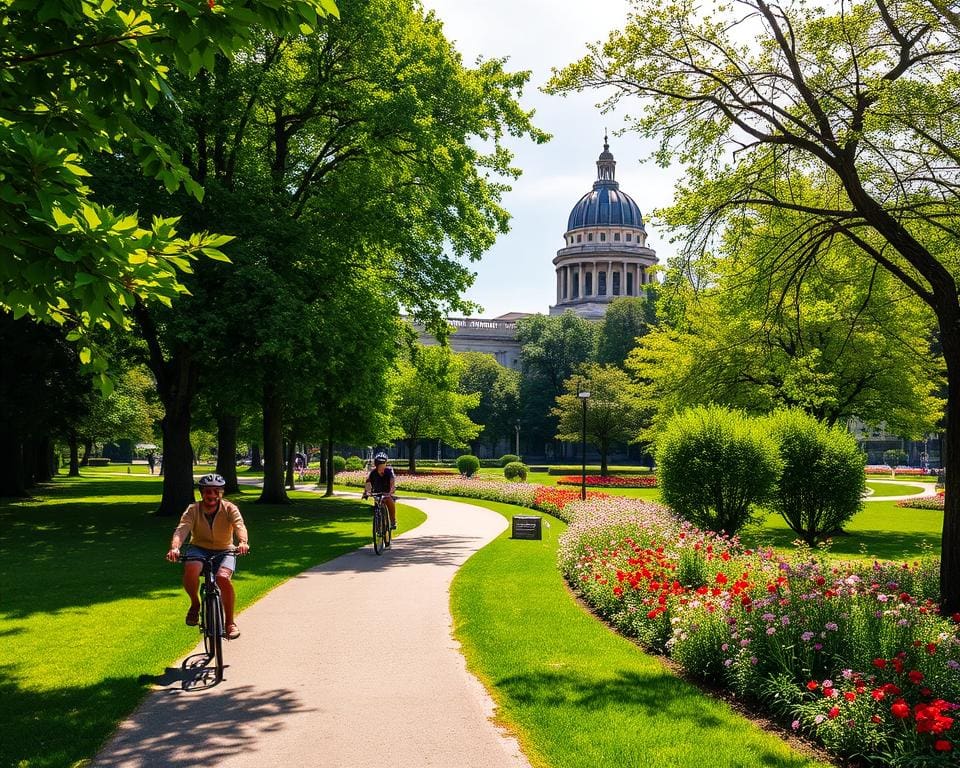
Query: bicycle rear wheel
x,y
378,529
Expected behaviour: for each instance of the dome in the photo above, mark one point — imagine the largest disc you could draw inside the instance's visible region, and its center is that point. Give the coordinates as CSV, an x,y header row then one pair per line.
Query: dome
x,y
605,204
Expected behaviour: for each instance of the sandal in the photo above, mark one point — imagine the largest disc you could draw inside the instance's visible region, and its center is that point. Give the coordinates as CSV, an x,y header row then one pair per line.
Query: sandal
x,y
232,632
193,617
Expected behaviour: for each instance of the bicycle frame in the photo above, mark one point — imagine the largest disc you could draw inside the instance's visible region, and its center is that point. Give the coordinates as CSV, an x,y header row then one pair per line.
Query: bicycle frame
x,y
212,617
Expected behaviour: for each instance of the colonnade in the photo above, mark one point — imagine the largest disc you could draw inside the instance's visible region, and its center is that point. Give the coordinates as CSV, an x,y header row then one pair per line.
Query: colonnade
x,y
572,280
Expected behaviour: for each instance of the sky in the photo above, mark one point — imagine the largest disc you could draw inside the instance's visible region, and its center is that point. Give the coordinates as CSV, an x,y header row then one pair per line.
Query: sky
x,y
517,274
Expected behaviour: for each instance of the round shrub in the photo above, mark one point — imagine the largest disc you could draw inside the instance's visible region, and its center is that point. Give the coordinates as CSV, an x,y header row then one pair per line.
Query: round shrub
x,y
468,465
353,463
822,483
508,458
515,470
339,463
714,465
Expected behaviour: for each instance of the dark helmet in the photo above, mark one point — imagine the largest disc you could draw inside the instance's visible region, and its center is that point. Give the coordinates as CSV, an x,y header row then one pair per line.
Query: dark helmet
x,y
380,458
213,480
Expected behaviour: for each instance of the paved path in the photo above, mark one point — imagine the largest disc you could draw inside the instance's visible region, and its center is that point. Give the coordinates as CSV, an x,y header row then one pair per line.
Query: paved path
x,y
926,489
305,686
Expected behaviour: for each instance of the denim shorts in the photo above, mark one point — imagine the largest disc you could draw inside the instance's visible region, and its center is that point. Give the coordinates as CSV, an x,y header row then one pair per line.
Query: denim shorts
x,y
229,561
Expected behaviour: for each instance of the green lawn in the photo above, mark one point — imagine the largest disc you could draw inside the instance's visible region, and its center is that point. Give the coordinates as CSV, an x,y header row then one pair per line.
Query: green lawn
x,y
578,695
91,612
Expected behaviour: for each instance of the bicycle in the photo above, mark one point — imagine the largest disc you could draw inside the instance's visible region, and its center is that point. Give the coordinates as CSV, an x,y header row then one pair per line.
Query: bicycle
x,y
212,616
382,535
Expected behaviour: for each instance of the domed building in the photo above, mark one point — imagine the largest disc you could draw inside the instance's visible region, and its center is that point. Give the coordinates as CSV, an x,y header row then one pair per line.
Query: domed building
x,y
606,254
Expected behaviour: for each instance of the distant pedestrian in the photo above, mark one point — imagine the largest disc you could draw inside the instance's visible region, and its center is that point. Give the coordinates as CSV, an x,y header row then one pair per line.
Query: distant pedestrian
x,y
151,461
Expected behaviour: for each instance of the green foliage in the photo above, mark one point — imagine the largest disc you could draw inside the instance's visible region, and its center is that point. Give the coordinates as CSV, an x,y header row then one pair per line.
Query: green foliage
x,y
426,400
467,464
352,463
822,481
515,470
895,457
499,389
627,319
339,463
76,78
551,347
714,465
508,458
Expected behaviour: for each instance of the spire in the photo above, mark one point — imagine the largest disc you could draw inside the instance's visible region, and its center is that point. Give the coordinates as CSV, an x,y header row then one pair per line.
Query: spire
x,y
606,165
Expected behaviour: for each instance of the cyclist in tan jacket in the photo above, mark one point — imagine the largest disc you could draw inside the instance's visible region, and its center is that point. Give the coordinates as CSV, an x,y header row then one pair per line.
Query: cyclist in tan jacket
x,y
212,524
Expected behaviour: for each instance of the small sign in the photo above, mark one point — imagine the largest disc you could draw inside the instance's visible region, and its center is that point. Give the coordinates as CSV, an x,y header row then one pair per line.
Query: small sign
x,y
526,527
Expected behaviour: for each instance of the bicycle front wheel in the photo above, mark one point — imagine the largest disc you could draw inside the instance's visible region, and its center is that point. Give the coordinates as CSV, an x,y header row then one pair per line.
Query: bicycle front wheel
x,y
207,621
216,635
378,531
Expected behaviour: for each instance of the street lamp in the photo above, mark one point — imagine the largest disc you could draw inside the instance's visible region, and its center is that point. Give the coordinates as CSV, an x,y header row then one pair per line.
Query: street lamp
x,y
517,451
584,396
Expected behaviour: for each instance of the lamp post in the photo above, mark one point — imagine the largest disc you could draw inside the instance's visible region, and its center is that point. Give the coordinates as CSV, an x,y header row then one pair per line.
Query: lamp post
x,y
584,396
517,428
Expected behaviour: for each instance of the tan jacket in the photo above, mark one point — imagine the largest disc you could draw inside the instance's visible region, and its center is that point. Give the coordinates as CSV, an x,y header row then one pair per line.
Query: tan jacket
x,y
218,536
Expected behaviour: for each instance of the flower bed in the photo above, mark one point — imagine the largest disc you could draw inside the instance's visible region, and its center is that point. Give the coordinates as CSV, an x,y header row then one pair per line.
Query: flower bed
x,y
856,656
923,502
611,481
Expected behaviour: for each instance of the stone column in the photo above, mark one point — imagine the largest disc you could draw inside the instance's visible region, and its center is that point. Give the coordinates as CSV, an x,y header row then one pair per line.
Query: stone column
x,y
559,286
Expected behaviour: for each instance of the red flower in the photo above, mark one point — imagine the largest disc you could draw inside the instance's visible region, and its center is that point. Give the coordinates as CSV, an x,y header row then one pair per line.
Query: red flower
x,y
880,663
828,692
850,696
931,648
900,709
877,694
942,745
834,711
721,578
813,685
876,719
915,676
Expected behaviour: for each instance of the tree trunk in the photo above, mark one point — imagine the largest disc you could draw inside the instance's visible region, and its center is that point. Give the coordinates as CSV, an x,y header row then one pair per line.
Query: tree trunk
x,y
256,461
74,446
43,460
412,449
328,458
87,450
322,478
11,465
950,540
273,490
227,425
177,465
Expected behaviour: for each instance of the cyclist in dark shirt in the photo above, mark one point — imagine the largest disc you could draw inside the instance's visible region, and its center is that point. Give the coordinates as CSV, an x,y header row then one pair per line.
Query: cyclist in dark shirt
x,y
383,480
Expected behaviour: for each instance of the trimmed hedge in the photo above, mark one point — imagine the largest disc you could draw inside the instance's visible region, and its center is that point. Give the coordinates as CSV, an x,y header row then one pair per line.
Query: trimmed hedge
x,y
515,470
468,465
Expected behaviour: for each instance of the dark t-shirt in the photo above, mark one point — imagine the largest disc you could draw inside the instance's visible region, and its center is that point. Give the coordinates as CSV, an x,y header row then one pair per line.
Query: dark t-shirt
x,y
380,483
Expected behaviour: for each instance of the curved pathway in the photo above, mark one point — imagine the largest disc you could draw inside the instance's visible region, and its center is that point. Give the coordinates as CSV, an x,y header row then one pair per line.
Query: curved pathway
x,y
926,489
350,664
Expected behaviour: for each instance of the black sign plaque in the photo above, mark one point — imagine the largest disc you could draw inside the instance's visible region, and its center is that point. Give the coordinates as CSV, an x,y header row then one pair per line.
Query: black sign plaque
x,y
526,527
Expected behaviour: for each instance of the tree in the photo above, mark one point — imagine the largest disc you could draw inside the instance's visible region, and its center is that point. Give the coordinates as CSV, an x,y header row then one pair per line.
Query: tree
x,y
627,319
551,347
863,101
427,403
822,481
613,414
499,389
75,76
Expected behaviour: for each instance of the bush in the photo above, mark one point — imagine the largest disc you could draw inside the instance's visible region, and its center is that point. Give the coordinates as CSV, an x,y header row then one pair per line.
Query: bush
x,y
353,463
895,456
339,463
468,465
515,470
508,458
822,482
714,465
